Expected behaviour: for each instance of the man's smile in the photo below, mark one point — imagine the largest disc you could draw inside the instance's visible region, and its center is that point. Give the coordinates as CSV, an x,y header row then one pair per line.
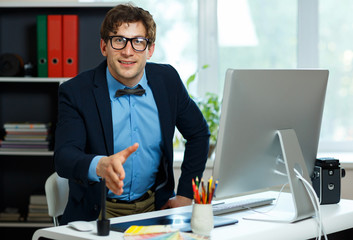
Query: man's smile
x,y
126,62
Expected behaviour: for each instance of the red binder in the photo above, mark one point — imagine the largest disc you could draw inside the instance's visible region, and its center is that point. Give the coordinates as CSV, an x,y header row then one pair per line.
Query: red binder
x,y
54,36
70,45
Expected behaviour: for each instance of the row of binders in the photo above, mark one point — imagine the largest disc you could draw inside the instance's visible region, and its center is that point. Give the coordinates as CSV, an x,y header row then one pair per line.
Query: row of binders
x,y
57,45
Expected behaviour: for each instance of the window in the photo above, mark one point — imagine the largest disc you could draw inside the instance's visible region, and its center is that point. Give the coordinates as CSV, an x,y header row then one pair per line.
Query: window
x,y
336,54
295,34
256,35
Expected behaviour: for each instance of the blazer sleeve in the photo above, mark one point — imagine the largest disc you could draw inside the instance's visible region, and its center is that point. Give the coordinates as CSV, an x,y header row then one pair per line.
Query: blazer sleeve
x,y
70,137
193,126
80,131
177,109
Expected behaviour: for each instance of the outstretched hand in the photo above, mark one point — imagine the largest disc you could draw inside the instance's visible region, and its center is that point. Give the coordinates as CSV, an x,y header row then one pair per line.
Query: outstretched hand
x,y
177,201
111,169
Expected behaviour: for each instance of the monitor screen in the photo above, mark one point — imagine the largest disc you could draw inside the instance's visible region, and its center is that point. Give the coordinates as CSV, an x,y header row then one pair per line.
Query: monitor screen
x,y
256,104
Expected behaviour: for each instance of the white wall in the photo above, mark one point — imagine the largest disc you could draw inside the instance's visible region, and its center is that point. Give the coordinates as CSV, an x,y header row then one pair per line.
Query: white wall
x,y
346,183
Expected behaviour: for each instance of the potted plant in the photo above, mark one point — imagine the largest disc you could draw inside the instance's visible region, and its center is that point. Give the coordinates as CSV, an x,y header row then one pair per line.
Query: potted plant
x,y
210,107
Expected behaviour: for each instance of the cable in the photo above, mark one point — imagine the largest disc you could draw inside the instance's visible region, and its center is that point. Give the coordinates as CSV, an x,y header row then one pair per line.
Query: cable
x,y
314,199
274,205
316,204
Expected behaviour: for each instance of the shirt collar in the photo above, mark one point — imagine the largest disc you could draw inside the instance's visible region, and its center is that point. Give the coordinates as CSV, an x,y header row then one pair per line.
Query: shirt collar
x,y
114,85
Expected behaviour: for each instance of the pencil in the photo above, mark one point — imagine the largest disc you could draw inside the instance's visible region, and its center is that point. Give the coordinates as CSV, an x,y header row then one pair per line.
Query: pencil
x,y
208,192
194,188
204,194
210,185
203,191
215,187
211,193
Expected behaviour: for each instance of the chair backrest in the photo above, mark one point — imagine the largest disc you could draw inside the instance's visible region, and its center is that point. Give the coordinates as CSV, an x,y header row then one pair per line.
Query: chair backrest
x,y
57,193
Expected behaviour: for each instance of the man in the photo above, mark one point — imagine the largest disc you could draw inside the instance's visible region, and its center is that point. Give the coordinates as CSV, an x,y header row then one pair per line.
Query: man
x,y
124,138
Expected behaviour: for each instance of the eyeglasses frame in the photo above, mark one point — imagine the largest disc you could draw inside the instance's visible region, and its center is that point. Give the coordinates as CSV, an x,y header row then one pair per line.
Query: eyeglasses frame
x,y
128,40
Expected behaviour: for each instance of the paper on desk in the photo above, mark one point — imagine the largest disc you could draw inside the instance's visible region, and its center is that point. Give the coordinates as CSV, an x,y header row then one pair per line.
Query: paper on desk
x,y
138,230
156,232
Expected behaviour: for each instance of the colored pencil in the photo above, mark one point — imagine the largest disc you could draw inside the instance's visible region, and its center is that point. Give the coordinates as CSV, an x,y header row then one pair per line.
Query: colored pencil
x,y
204,194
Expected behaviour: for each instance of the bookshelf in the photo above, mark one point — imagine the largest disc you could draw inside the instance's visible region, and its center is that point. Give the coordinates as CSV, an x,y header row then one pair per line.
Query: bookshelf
x,y
34,99
23,173
18,28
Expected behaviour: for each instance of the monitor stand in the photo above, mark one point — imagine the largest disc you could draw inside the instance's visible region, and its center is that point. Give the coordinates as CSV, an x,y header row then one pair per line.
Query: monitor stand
x,y
293,159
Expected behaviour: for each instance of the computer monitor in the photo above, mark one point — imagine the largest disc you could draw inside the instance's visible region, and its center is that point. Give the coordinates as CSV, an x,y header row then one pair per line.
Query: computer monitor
x,y
270,124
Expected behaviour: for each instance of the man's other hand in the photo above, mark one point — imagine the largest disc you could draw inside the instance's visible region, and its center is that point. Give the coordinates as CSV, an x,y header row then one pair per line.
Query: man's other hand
x,y
177,201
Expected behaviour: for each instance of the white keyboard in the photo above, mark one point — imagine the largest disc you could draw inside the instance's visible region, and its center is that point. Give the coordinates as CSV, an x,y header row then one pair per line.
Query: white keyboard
x,y
220,208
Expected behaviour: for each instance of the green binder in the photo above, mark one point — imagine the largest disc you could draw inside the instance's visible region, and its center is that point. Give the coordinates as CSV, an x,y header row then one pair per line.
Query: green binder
x,y
42,57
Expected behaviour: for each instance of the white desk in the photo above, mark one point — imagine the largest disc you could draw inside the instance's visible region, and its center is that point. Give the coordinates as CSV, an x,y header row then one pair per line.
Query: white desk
x,y
336,217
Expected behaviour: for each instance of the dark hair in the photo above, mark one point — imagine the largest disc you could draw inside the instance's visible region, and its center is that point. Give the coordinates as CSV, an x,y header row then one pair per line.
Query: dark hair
x,y
128,13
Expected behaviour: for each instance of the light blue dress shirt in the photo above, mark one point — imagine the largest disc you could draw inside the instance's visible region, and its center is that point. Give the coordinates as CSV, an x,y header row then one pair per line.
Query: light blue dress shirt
x,y
135,119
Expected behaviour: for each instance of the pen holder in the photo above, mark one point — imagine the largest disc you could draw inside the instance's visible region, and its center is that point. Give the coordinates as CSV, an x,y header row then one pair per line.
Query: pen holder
x,y
202,219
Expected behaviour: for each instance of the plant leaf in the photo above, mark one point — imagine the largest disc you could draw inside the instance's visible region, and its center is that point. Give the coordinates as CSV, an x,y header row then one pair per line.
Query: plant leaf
x,y
205,66
190,80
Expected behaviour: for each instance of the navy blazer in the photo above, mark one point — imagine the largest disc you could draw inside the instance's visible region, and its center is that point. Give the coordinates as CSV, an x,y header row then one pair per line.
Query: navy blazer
x,y
85,129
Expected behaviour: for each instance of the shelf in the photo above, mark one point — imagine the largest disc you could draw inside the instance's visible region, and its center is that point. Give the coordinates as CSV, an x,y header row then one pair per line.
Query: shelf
x,y
24,173
33,99
26,224
26,153
62,4
33,79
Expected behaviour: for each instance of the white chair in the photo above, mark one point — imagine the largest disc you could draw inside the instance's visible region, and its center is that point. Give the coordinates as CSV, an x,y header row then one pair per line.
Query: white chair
x,y
57,193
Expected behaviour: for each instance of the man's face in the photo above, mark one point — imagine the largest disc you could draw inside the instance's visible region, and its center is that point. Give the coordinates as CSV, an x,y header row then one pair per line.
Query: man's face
x,y
127,65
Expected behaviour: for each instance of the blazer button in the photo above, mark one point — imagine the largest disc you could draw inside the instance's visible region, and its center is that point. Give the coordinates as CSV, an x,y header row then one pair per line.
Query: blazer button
x,y
95,207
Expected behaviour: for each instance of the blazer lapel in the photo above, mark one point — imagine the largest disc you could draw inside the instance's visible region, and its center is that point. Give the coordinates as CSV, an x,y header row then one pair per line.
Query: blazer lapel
x,y
160,95
101,95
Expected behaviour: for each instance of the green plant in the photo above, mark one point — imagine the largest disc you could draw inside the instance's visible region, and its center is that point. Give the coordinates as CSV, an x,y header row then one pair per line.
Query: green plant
x,y
210,107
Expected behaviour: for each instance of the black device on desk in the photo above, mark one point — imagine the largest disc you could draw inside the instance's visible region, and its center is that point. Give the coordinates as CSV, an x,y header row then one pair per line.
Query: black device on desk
x,y
327,180
103,224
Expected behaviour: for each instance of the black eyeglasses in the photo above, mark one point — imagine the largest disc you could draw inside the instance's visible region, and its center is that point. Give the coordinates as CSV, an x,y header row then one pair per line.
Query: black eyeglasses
x,y
139,44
